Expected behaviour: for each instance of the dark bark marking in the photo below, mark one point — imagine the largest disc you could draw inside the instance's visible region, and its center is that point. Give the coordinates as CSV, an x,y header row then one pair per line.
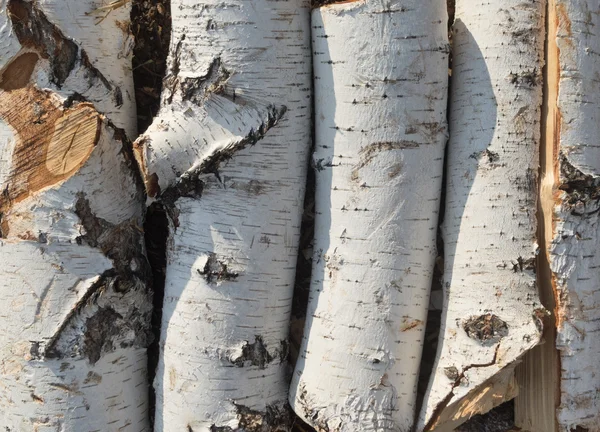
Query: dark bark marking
x,y
273,419
99,333
539,315
322,3
216,270
199,89
368,153
523,264
310,412
34,30
487,155
104,326
255,354
527,78
486,328
191,185
121,243
583,190
451,372
171,80
49,349
93,73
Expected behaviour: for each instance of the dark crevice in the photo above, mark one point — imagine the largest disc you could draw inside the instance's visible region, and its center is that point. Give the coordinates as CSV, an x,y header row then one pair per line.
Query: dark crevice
x,y
499,419
151,27
156,229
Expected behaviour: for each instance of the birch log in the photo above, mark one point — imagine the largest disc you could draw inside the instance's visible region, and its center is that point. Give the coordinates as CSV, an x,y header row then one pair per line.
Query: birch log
x,y
227,156
380,96
573,251
73,275
492,313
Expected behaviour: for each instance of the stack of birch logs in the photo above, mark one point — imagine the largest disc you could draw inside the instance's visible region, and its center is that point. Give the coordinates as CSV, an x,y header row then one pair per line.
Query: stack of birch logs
x,y
506,159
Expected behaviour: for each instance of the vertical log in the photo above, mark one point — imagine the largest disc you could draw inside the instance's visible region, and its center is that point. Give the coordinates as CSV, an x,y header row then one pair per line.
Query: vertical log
x,y
492,313
73,275
227,156
380,97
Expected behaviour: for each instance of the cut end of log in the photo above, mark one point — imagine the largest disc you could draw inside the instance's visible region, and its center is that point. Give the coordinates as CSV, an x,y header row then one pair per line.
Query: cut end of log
x,y
51,143
76,133
17,73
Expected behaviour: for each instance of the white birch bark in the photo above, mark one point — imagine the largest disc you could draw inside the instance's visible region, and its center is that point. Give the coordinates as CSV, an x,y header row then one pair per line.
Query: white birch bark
x,y
492,313
573,252
73,274
237,90
380,96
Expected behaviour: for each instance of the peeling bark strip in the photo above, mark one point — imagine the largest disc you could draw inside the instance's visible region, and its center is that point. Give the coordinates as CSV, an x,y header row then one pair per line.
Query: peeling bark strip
x,y
227,156
73,275
491,305
380,88
575,238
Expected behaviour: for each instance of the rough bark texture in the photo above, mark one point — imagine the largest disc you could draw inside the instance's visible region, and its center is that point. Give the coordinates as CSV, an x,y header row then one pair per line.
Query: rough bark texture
x,y
73,275
492,313
573,253
227,156
380,98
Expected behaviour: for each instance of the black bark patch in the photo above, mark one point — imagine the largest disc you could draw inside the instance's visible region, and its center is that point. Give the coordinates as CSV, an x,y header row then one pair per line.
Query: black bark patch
x,y
100,329
255,354
451,372
94,226
34,30
583,190
487,155
523,264
486,328
216,270
273,419
93,74
528,78
200,88
122,244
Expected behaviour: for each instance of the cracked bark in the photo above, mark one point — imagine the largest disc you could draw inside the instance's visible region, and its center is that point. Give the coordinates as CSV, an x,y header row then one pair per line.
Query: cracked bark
x,y
380,73
491,303
227,156
73,275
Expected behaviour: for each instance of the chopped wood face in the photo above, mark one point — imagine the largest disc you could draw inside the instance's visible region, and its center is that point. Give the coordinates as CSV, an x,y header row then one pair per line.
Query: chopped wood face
x,y
50,142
